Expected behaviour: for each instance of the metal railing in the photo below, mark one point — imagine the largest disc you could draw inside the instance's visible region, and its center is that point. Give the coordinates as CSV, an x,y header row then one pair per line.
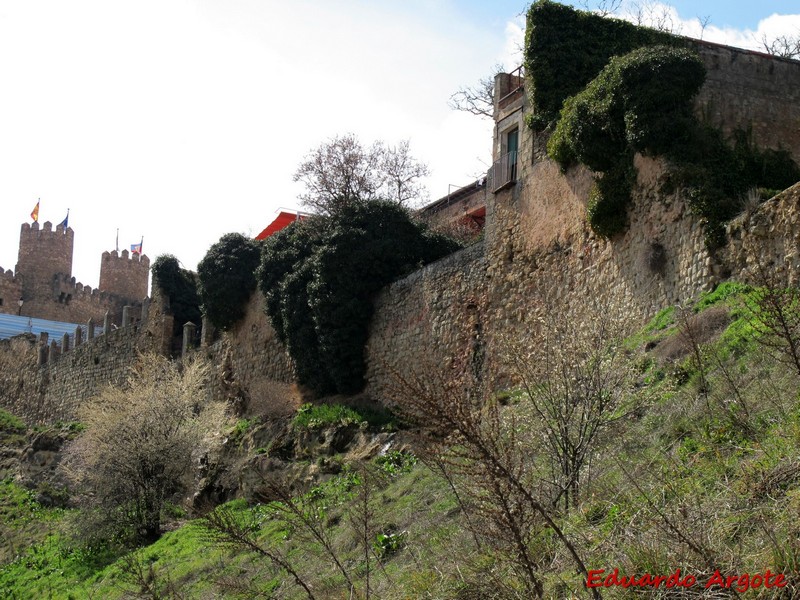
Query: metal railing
x,y
515,83
503,172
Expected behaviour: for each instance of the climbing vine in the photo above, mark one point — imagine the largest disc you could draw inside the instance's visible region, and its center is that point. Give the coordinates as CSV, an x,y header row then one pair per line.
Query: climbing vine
x,y
617,90
319,277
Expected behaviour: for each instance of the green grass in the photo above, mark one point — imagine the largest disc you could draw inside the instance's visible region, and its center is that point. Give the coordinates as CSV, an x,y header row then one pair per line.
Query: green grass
x,y
10,423
683,463
311,416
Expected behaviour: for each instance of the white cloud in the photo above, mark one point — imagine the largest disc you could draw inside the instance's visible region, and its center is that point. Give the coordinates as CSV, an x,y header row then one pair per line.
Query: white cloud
x,y
665,16
182,120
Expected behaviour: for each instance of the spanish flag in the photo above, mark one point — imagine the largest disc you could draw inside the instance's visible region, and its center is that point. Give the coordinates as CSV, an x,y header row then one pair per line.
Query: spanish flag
x,y
35,212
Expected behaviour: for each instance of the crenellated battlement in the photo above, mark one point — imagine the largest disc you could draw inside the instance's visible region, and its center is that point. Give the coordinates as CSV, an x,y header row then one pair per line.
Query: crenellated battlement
x,y
124,256
7,275
124,274
43,253
44,282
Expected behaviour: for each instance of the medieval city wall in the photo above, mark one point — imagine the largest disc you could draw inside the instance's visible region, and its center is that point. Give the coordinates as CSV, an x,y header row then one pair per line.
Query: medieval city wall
x,y
10,292
459,315
252,364
753,92
433,318
43,382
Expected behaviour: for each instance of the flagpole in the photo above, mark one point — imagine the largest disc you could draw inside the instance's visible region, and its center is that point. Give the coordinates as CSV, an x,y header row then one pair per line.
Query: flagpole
x,y
117,240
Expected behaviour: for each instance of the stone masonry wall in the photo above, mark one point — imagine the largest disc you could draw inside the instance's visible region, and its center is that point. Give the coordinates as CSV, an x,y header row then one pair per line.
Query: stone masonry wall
x,y
459,313
434,317
10,292
250,357
754,92
124,275
766,239
42,384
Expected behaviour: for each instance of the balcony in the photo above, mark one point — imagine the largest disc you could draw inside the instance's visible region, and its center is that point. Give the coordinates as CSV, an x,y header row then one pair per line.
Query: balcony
x,y
510,87
503,173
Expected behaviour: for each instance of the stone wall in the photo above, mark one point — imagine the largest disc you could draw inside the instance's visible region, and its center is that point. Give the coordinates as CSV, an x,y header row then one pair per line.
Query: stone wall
x,y
435,316
460,313
69,301
124,275
250,357
43,280
754,92
766,238
43,384
10,292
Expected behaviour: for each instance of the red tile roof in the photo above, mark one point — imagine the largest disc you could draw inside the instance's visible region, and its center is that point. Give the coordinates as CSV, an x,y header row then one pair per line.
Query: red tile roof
x,y
284,219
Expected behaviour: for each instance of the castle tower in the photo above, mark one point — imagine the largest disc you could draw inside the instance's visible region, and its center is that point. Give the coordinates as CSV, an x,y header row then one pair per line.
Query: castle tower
x,y
124,275
43,255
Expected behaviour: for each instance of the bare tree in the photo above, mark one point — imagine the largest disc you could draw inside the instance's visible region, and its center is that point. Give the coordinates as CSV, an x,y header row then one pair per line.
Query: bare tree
x,y
477,99
402,174
655,15
343,171
481,446
785,46
225,527
576,378
604,7
138,448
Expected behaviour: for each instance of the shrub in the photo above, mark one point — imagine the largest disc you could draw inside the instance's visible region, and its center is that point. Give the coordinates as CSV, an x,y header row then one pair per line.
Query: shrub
x,y
226,278
565,49
180,287
139,446
319,279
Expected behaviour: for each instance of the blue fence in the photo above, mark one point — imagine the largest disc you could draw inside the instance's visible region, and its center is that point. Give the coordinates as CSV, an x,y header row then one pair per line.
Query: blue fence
x,y
11,325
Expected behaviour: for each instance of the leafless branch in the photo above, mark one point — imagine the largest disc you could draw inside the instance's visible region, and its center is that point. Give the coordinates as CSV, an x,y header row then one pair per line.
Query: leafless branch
x,y
477,99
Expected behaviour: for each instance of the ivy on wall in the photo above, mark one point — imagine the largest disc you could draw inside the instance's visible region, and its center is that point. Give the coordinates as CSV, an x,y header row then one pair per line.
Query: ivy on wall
x,y
565,49
319,277
180,286
226,278
617,89
640,102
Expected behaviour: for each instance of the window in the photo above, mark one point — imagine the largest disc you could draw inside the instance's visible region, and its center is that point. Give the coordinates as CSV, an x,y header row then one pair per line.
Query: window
x,y
512,146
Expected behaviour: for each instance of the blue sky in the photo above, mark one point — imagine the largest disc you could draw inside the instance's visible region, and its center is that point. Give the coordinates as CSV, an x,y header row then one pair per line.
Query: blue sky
x,y
183,120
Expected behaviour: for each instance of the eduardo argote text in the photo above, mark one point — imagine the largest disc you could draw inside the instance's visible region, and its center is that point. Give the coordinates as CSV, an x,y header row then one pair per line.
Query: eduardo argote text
x,y
741,583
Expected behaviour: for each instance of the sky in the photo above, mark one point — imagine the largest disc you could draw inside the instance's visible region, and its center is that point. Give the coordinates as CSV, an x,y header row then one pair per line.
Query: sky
x,y
178,121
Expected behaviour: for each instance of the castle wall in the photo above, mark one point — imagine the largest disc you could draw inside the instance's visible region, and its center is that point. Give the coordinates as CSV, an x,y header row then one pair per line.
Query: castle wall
x,y
43,254
434,317
43,279
754,92
10,292
69,301
124,276
250,355
43,384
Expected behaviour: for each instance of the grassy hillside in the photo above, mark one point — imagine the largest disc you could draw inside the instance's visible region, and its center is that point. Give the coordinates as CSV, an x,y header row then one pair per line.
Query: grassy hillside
x,y
697,468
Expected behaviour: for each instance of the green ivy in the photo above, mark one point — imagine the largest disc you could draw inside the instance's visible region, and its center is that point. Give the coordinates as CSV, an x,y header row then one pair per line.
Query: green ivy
x,y
226,278
180,287
640,102
715,175
565,49
319,279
